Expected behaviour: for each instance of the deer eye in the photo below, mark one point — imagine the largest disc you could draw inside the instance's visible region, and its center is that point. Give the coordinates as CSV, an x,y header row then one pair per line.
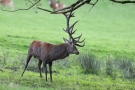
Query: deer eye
x,y
73,45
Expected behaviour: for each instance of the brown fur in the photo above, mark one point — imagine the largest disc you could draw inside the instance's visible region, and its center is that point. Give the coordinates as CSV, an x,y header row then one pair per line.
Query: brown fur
x,y
47,53
56,5
7,3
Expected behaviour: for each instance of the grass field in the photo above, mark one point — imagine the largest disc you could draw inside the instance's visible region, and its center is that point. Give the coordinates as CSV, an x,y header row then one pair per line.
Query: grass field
x,y
108,29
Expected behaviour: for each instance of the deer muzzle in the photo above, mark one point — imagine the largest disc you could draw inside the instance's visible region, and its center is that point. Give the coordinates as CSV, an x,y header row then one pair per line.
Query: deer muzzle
x,y
76,52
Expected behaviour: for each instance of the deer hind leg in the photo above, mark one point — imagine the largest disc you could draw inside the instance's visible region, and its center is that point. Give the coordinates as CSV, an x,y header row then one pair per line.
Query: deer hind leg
x,y
45,68
3,4
28,59
10,4
50,68
39,67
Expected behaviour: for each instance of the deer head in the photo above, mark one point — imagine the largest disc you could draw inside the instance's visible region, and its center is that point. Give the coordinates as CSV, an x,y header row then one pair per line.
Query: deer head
x,y
71,47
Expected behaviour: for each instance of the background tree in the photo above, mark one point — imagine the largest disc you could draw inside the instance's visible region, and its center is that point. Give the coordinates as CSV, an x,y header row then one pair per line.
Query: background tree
x,y
77,4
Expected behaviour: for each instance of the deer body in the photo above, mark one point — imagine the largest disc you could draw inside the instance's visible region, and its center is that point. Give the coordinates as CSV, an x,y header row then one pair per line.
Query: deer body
x,y
54,52
7,3
42,50
56,5
47,53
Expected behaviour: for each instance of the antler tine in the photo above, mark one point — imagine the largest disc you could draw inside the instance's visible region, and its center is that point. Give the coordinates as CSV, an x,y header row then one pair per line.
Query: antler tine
x,y
76,40
71,27
81,41
72,32
78,36
80,45
68,16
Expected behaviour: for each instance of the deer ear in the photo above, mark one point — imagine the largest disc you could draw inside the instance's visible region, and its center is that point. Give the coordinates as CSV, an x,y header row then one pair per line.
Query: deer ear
x,y
66,41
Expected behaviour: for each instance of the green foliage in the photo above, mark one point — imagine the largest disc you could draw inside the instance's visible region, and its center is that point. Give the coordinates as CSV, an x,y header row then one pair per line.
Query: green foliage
x,y
127,67
120,67
115,67
112,68
89,63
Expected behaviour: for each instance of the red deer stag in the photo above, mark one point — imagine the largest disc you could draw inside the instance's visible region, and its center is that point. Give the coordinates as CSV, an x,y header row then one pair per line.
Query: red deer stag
x,y
56,5
7,3
47,52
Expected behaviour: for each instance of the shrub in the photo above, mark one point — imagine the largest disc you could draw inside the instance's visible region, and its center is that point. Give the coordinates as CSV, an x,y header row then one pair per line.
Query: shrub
x,y
120,67
64,63
112,68
89,63
127,68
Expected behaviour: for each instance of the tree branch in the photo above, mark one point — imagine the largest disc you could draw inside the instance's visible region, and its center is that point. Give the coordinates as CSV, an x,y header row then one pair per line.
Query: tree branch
x,y
72,7
24,9
122,1
68,9
45,9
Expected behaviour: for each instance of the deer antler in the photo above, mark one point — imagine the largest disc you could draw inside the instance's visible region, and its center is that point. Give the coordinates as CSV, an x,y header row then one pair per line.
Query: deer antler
x,y
70,31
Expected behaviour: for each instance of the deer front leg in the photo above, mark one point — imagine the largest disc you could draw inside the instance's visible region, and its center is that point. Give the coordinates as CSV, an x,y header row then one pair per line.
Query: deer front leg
x,y
45,68
28,59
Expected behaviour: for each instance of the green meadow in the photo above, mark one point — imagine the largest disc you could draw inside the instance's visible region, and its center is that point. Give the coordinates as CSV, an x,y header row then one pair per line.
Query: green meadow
x,y
109,30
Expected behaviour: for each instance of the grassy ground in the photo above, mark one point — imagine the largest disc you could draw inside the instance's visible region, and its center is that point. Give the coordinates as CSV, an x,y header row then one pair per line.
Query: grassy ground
x,y
108,29
64,80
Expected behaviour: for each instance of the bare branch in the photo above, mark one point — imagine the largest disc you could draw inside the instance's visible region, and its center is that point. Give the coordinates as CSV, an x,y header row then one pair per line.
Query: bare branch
x,y
75,6
33,4
70,8
45,10
123,1
93,4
